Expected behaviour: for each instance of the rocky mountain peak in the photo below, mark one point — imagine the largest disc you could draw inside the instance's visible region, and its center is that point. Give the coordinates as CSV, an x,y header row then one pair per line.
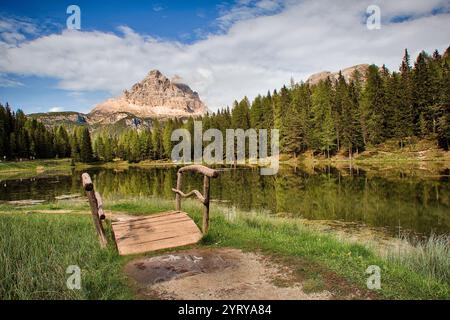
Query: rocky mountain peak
x,y
154,96
155,73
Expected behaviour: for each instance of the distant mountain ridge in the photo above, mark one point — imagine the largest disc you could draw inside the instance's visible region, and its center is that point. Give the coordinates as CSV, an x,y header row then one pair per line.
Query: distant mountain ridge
x,y
347,73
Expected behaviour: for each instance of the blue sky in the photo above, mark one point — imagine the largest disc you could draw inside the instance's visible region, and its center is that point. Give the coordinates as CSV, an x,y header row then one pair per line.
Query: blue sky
x,y
175,20
222,49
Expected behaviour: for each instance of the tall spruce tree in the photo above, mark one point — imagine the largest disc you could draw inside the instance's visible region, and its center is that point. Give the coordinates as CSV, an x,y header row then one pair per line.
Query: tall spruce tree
x,y
86,153
324,133
373,103
292,139
156,141
422,95
443,111
404,110
346,98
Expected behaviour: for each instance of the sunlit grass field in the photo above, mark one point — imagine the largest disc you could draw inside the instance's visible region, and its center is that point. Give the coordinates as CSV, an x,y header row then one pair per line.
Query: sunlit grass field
x,y
36,249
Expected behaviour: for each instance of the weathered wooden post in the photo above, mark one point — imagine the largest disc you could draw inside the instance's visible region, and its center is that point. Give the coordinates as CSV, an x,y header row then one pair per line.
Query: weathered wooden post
x,y
101,213
178,196
96,207
205,225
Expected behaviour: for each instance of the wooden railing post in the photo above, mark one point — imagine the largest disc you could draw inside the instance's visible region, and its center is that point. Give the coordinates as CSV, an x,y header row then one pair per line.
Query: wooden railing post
x,y
96,210
101,213
178,196
203,198
205,225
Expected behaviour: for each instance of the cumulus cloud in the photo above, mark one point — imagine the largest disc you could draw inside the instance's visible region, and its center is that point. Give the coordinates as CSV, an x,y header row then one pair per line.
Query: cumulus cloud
x,y
265,43
55,109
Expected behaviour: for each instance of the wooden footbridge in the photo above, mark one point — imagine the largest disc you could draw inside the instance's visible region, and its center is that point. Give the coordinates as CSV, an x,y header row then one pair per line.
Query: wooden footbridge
x,y
155,231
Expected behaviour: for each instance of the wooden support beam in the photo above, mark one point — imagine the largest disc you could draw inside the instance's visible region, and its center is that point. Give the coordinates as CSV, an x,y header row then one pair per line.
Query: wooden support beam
x,y
178,196
91,195
205,225
187,195
101,213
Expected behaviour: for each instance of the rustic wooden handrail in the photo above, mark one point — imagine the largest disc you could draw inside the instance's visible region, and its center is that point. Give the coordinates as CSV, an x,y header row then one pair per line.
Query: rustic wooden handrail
x,y
96,203
187,195
204,198
200,169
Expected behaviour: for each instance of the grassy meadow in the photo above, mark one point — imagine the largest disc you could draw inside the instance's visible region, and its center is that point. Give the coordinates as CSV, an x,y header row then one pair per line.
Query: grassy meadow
x,y
34,165
38,243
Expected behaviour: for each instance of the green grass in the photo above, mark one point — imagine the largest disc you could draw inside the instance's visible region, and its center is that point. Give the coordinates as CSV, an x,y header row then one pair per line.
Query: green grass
x,y
34,165
20,169
35,251
430,257
36,248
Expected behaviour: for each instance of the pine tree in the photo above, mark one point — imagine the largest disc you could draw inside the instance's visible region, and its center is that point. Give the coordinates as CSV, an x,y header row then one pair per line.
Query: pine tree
x,y
268,112
166,142
145,144
422,95
443,112
257,113
86,153
346,97
156,141
99,148
62,142
281,103
372,107
403,112
292,139
301,99
355,137
240,114
436,73
324,133
108,149
133,154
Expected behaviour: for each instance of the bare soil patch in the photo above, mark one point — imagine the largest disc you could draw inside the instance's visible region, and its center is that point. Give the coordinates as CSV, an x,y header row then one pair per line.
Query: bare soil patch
x,y
224,273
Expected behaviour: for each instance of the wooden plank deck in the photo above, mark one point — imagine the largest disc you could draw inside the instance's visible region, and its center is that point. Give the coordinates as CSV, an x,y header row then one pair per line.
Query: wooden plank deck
x,y
155,232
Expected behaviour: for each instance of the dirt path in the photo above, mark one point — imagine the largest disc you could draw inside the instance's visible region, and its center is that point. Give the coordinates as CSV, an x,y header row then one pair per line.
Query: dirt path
x,y
215,274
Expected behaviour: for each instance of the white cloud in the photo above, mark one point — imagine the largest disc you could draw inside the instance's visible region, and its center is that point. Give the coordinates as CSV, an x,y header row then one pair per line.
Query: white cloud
x,y
9,83
55,109
254,54
158,7
14,31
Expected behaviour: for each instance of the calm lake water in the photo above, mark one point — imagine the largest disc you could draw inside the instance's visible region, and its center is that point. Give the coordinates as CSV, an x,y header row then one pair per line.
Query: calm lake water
x,y
409,199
